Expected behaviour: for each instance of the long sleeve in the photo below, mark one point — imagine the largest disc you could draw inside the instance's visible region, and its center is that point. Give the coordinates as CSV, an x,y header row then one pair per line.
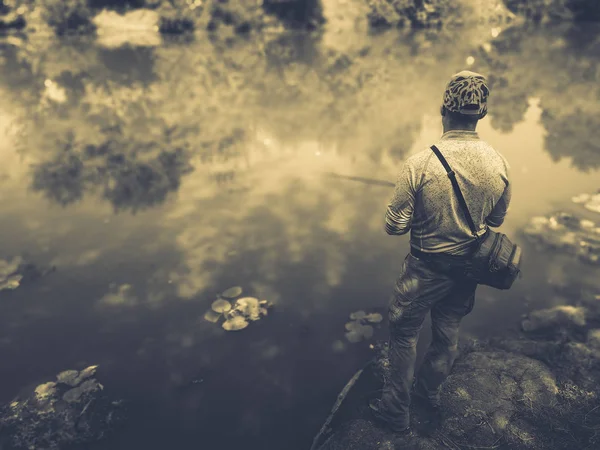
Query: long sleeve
x,y
496,217
400,209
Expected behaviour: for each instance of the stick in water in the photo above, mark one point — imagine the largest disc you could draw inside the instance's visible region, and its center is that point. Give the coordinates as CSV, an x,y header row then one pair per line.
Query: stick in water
x,y
361,179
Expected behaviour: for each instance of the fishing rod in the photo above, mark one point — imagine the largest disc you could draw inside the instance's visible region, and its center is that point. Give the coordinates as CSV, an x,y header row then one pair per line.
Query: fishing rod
x,y
370,181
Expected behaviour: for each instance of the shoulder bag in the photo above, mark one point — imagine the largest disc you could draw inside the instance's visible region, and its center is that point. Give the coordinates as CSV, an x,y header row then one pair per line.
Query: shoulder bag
x,y
495,261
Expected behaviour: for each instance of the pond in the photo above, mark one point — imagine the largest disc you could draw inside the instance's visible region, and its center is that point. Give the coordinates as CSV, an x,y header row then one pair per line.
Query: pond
x,y
156,177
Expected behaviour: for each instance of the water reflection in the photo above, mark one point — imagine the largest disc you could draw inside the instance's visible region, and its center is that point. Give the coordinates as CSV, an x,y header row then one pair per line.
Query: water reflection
x,y
560,66
220,149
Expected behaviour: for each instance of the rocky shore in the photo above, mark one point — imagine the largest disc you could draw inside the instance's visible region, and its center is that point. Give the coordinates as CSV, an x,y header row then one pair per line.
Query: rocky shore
x,y
532,388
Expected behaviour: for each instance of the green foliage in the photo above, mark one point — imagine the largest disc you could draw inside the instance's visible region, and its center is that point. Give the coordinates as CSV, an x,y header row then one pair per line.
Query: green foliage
x,y
555,10
414,13
305,14
66,16
179,16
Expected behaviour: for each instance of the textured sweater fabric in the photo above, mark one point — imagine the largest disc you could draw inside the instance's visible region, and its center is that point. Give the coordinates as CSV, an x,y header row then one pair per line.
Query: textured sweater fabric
x,y
425,203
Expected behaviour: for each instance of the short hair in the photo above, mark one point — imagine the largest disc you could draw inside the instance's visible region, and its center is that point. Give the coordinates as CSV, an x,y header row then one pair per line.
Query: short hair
x,y
462,119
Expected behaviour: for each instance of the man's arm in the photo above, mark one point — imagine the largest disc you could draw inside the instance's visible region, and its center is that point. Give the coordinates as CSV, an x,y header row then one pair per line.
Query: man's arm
x,y
400,209
496,217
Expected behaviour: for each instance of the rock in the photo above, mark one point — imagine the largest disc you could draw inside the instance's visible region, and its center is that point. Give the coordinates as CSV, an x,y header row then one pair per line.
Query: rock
x,y
481,396
563,316
486,400
73,411
568,233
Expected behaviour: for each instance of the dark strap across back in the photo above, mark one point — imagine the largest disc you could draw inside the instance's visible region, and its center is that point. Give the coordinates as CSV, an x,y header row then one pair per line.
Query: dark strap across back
x,y
457,191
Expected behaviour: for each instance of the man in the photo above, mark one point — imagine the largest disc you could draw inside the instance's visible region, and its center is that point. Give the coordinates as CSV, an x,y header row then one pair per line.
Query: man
x,y
432,276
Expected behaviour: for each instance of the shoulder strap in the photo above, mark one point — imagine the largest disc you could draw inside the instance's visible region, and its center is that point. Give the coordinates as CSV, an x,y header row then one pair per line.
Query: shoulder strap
x,y
459,195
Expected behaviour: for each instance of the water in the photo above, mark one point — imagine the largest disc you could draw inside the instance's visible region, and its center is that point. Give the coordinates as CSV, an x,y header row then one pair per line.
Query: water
x,y
239,198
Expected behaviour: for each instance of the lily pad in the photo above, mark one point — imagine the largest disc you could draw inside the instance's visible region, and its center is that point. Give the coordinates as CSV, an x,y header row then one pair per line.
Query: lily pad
x,y
374,317
367,332
74,395
235,323
70,377
12,282
581,198
45,390
211,316
353,325
249,307
8,268
87,372
232,292
353,337
359,332
593,204
221,306
358,315
338,346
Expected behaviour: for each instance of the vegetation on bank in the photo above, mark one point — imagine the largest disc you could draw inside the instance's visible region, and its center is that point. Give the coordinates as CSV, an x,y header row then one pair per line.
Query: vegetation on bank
x,y
175,16
241,16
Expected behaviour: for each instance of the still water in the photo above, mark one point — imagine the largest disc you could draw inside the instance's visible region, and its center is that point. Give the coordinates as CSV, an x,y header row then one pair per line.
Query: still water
x,y
181,169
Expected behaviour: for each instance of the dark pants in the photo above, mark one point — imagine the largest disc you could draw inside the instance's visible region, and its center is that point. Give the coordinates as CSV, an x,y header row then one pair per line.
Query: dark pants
x,y
426,283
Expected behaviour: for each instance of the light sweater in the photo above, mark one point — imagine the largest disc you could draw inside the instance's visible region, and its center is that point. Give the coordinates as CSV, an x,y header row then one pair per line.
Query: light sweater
x,y
425,203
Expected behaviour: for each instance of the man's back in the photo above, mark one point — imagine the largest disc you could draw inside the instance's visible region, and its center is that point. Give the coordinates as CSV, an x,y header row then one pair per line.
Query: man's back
x,y
438,224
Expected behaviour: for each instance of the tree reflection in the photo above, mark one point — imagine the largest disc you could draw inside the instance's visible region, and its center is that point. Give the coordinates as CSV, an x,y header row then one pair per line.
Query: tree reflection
x,y
126,181
576,136
133,131
560,66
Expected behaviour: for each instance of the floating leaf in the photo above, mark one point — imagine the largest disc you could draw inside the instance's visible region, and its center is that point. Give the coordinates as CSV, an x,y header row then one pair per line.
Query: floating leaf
x,y
9,268
45,390
74,395
367,332
353,336
338,346
353,325
358,315
594,203
211,316
374,317
232,292
13,282
70,377
581,198
87,372
235,324
221,306
249,307
359,332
